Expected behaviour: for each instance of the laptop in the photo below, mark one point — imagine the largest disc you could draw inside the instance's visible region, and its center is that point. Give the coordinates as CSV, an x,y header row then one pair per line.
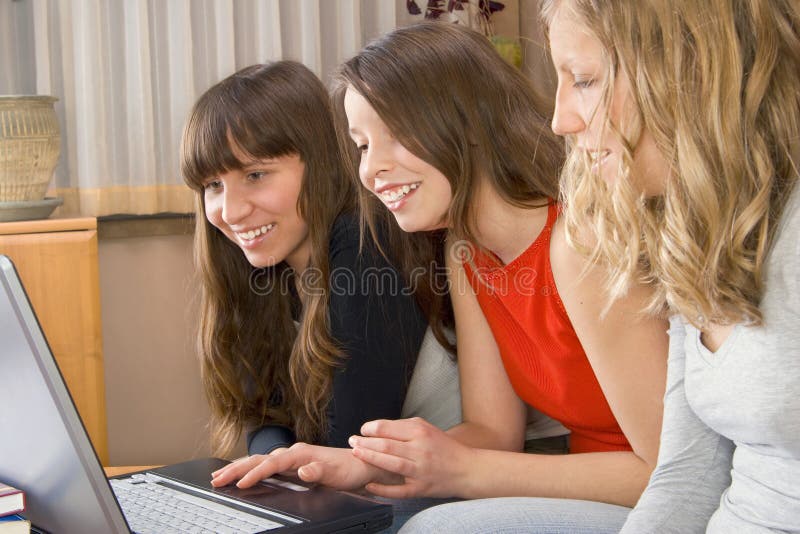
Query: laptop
x,y
45,451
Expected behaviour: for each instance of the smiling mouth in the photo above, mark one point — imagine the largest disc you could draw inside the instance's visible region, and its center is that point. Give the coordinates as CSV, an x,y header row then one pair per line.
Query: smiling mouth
x,y
252,234
398,193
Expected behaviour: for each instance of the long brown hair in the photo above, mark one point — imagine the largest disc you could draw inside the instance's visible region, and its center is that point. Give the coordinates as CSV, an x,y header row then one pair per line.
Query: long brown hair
x,y
716,84
449,98
257,368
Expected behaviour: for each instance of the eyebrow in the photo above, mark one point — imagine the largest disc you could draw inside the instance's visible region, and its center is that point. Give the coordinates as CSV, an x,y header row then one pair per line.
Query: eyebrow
x,y
259,163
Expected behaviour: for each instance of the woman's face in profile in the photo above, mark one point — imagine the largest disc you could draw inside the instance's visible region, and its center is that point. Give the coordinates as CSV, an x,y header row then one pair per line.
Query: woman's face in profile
x,y
417,194
582,66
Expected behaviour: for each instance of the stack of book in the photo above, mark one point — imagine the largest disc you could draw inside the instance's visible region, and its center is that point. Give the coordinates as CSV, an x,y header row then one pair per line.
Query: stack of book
x,y
12,502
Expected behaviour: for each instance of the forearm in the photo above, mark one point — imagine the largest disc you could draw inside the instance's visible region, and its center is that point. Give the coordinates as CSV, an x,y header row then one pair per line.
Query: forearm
x,y
379,332
611,477
479,436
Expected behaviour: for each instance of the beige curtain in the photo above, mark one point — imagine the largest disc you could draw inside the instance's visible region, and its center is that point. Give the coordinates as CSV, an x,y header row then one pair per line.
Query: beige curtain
x,y
126,73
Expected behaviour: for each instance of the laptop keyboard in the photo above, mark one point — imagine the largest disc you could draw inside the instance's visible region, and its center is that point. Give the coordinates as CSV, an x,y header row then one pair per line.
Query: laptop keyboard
x,y
153,507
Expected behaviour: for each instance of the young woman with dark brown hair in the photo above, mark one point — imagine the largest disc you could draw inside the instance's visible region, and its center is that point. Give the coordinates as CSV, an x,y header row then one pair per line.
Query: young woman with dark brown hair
x,y
305,331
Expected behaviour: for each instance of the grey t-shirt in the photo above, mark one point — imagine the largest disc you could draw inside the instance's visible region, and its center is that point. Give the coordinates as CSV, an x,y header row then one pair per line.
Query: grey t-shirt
x,y
729,460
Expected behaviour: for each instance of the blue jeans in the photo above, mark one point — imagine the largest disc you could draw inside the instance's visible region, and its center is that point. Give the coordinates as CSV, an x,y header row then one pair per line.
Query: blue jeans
x,y
509,515
404,509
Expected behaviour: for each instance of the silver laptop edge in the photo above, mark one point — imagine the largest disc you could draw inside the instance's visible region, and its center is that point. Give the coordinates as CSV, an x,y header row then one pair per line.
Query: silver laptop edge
x,y
58,499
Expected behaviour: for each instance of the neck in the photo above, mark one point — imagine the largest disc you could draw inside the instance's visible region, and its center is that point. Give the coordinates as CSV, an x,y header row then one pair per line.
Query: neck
x,y
300,257
505,229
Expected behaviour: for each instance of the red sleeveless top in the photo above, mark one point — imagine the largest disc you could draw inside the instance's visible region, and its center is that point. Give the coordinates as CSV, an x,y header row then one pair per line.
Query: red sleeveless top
x,y
541,352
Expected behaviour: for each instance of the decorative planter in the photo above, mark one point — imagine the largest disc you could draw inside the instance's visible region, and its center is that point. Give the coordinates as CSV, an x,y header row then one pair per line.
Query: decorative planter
x,y
29,146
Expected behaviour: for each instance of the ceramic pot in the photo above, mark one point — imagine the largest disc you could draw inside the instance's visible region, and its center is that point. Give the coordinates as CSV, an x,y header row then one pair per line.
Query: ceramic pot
x,y
29,146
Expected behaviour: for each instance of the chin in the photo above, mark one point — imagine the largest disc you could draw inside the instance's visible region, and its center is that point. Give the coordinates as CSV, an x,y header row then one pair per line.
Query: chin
x,y
411,226
260,262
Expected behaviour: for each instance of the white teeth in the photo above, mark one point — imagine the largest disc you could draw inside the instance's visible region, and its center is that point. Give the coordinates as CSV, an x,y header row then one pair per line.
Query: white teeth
x,y
397,194
252,234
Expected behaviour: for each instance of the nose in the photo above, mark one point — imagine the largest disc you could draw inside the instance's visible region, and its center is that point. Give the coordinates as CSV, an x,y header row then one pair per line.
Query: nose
x,y
375,160
566,120
236,205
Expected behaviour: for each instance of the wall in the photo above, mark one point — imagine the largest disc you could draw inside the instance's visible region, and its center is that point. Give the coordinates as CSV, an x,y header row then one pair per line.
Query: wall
x,y
536,59
519,19
155,406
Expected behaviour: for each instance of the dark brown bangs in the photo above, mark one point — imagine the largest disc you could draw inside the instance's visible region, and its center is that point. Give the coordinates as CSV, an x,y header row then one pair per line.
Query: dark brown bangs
x,y
236,116
206,149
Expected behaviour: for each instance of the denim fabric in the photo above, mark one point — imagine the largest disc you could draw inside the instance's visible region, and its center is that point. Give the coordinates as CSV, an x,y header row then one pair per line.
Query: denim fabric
x,y
404,509
509,515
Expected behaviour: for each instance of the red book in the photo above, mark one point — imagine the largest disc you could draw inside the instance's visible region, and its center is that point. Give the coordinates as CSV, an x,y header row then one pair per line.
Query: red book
x,y
12,500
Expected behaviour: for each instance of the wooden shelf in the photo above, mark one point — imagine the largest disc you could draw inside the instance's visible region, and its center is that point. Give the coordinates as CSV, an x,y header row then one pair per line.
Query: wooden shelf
x,y
48,225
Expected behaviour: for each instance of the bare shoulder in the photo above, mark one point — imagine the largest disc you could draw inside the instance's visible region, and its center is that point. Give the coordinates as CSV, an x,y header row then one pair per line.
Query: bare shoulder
x,y
580,283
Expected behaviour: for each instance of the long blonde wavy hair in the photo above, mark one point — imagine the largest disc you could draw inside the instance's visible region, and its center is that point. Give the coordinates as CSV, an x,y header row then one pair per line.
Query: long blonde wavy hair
x,y
717,84
257,367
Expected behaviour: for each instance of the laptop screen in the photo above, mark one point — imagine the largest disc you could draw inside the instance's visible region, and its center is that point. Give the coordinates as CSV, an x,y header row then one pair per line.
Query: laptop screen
x,y
44,449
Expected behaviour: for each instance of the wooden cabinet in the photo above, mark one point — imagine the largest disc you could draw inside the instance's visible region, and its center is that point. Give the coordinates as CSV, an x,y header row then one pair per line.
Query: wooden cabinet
x,y
57,262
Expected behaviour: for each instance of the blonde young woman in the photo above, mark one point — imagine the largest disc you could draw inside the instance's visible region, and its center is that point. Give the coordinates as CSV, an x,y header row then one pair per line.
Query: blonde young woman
x,y
440,149
683,118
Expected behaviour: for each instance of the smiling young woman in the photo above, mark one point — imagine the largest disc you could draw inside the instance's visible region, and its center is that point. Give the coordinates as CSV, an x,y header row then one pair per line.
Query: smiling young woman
x,y
694,109
285,352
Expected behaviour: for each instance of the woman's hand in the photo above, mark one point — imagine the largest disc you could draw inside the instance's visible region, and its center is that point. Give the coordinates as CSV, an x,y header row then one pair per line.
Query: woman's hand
x,y
432,463
333,467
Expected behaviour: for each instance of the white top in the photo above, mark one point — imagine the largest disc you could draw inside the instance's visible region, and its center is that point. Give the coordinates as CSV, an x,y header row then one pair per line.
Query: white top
x,y
434,393
730,447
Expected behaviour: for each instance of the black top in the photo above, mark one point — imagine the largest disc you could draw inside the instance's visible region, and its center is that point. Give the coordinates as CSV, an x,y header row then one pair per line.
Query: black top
x,y
379,328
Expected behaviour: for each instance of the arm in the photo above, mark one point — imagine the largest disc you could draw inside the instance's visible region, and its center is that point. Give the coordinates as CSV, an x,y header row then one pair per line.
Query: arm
x,y
628,354
694,462
334,467
631,378
493,415
379,329
380,334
